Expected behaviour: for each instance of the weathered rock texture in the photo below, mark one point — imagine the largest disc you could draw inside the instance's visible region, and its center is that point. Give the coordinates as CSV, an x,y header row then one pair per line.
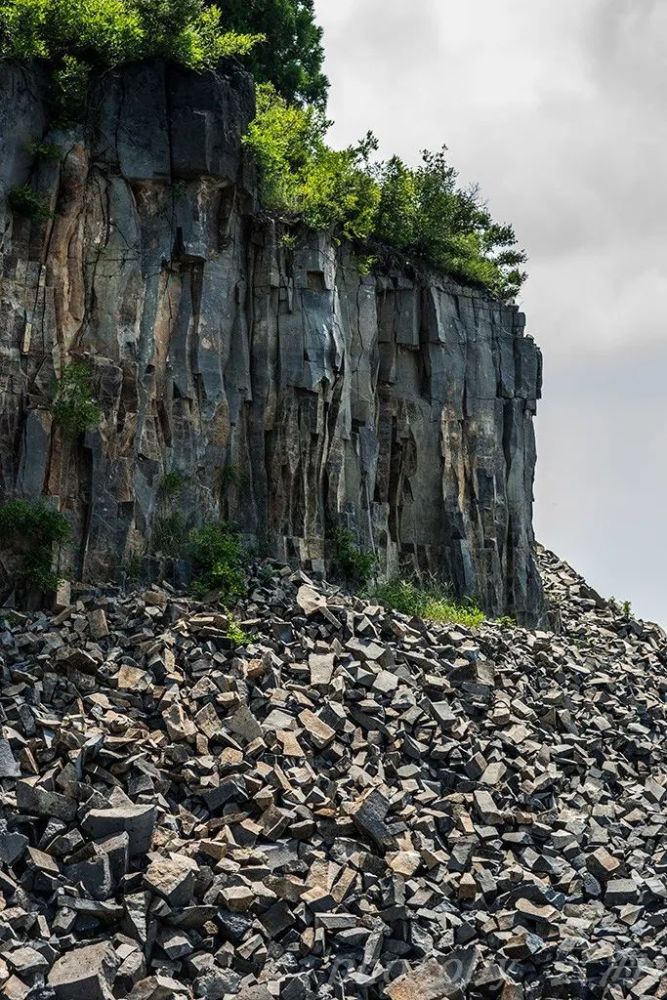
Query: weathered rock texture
x,y
292,394
355,805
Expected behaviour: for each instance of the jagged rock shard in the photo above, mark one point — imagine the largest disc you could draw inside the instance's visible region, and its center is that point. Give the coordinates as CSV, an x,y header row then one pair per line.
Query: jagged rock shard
x,y
173,878
448,977
137,821
310,600
9,767
33,799
85,973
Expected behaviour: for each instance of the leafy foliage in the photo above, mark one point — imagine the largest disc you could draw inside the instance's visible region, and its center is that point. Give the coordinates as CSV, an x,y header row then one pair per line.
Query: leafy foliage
x,y
355,565
171,485
76,36
110,32
505,621
424,213
421,213
301,175
430,602
292,56
39,527
70,89
27,202
220,560
237,635
168,538
74,408
42,150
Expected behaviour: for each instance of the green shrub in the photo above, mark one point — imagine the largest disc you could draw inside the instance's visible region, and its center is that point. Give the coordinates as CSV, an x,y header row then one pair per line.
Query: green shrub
x,y
111,32
171,485
25,201
169,536
38,528
220,561
366,262
70,90
352,563
423,213
432,603
43,150
74,408
301,175
237,634
288,242
76,36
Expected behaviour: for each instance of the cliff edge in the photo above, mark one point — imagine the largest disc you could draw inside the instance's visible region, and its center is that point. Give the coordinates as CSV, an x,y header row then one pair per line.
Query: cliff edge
x,y
291,393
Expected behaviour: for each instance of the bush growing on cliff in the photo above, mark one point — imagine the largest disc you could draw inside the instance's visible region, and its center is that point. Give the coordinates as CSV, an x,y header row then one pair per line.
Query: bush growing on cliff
x,y
301,175
424,213
74,409
354,564
33,529
29,203
220,559
46,151
76,35
420,214
110,32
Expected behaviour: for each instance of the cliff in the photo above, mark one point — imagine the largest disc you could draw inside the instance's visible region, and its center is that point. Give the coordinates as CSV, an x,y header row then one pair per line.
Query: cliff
x,y
292,393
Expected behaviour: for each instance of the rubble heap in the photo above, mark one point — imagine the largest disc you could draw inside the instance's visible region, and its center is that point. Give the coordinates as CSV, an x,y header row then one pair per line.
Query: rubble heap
x,y
355,804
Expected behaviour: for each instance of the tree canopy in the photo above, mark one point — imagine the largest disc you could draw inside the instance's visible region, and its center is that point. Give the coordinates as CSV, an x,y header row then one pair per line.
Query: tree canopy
x,y
420,213
110,32
292,55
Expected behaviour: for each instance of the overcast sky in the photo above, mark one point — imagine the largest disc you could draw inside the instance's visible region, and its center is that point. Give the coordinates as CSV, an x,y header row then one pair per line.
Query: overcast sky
x,y
556,107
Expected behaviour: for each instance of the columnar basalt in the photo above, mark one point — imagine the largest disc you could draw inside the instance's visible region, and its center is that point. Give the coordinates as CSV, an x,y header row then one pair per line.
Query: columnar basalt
x,y
292,393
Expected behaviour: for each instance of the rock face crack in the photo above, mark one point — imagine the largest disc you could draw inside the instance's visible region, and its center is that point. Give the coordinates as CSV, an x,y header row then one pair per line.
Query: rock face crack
x,y
399,406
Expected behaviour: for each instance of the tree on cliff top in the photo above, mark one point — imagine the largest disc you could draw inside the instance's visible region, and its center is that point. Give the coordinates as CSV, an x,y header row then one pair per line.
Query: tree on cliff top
x,y
280,37
291,57
111,32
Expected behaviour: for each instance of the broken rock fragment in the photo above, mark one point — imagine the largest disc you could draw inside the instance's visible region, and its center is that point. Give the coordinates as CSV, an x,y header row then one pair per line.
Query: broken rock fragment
x,y
85,973
361,804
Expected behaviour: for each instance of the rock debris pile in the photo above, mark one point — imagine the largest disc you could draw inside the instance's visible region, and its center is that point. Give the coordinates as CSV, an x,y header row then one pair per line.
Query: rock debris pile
x,y
355,804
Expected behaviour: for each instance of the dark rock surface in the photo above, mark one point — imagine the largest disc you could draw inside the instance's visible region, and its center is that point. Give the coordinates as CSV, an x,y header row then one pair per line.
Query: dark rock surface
x,y
292,394
355,805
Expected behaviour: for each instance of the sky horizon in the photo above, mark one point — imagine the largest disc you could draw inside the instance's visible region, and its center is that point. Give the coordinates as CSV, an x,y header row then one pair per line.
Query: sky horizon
x,y
556,112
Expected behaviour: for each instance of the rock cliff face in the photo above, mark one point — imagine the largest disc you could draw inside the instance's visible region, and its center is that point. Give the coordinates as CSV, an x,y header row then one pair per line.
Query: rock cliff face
x,y
291,393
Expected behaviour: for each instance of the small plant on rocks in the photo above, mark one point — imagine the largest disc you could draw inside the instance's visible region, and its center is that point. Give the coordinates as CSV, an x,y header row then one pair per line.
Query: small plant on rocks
x,y
237,635
431,602
171,485
220,561
355,565
169,535
43,150
37,527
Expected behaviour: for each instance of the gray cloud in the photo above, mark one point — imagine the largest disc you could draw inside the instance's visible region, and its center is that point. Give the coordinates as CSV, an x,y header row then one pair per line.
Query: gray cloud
x,y
557,110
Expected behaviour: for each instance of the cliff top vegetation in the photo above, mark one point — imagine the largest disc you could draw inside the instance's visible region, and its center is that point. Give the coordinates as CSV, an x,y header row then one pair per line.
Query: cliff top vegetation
x,y
420,213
